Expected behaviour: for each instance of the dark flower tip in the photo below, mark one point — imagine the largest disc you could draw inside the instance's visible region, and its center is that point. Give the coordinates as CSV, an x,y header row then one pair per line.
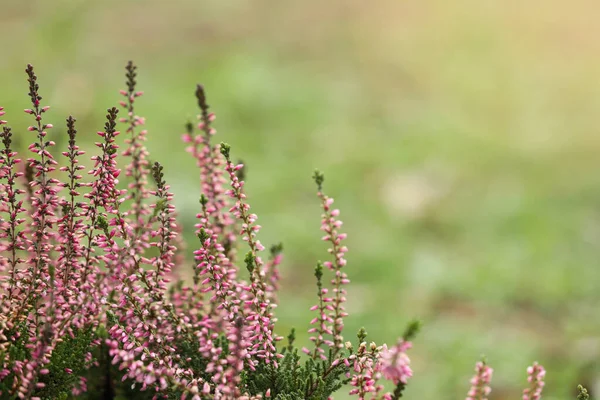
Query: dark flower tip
x,y
201,96
319,178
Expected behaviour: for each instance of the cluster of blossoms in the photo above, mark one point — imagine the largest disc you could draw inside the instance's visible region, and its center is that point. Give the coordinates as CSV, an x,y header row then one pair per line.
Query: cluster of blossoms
x,y
87,267
88,278
535,377
480,383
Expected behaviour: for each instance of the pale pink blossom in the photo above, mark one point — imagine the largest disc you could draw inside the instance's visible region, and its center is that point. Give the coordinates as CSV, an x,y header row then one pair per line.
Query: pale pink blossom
x,y
480,383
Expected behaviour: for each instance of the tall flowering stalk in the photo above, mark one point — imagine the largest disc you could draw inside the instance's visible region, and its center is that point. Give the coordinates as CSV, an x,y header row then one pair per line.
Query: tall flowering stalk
x,y
210,162
271,271
330,225
163,211
212,220
44,203
138,168
70,225
105,197
72,282
41,271
13,241
322,320
260,319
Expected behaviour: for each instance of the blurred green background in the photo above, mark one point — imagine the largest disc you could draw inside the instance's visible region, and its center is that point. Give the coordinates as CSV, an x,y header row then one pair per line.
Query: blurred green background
x,y
460,140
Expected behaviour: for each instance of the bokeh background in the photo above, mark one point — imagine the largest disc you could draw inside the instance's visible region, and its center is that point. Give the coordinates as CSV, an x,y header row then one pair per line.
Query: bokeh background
x,y
460,140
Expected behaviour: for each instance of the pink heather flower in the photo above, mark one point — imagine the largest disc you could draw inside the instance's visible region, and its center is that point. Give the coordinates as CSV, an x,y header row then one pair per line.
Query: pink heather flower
x,y
395,364
224,291
480,382
210,161
104,190
535,377
365,370
237,358
12,239
260,317
164,210
335,311
138,166
322,321
70,226
271,273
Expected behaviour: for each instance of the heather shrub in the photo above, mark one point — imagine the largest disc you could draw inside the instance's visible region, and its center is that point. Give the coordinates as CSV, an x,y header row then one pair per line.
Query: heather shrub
x,y
92,306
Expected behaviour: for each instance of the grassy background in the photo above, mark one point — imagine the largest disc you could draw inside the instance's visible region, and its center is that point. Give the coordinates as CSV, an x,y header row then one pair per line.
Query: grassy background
x,y
459,139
